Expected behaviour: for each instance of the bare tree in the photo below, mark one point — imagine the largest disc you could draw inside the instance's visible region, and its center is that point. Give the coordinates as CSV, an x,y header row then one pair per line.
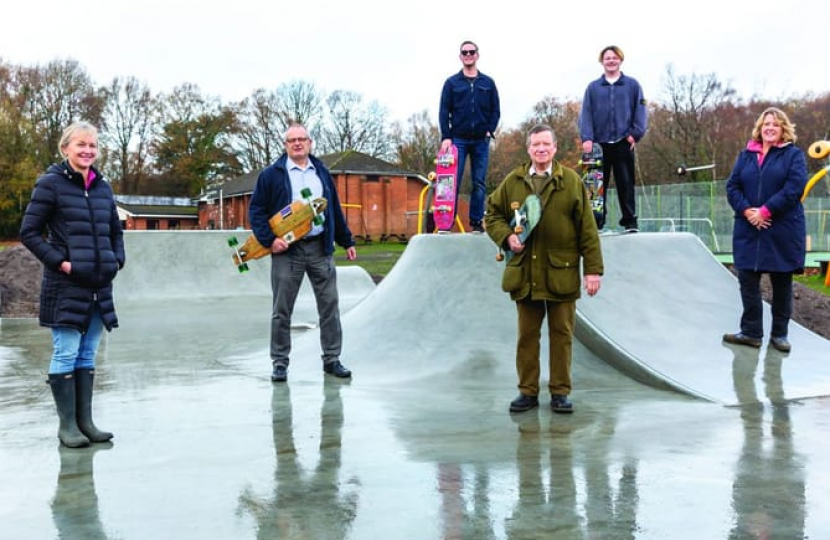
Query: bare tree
x,y
299,101
417,143
353,125
691,125
266,115
54,96
128,122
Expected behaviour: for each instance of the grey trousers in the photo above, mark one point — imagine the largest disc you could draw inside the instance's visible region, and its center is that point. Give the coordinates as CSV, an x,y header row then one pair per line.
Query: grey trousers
x,y
287,272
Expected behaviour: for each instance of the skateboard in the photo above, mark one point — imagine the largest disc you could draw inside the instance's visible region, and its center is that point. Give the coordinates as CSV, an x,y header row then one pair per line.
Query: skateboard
x,y
291,224
525,218
592,178
444,184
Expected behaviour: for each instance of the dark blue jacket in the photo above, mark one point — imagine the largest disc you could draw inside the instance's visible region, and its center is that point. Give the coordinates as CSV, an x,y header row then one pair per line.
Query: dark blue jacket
x,y
272,193
611,112
778,185
469,109
81,227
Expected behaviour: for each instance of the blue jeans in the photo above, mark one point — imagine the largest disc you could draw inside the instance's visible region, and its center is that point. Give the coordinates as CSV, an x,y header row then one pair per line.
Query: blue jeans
x,y
752,321
479,152
72,349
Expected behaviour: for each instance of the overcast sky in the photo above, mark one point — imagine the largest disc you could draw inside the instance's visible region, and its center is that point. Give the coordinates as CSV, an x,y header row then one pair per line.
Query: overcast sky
x,y
400,53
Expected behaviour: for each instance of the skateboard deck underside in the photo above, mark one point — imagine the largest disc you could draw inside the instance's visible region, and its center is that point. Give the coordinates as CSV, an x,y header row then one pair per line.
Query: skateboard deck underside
x,y
446,171
594,181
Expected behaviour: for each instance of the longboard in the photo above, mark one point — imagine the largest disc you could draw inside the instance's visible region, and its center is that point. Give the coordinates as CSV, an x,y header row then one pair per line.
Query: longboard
x,y
291,224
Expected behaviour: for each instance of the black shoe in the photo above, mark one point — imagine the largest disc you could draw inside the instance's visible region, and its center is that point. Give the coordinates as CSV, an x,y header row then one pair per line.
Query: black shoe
x,y
561,404
742,339
280,374
781,344
524,403
477,227
337,369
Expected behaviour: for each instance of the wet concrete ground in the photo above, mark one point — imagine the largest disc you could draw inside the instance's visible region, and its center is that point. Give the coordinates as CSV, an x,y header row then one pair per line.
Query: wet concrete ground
x,y
419,444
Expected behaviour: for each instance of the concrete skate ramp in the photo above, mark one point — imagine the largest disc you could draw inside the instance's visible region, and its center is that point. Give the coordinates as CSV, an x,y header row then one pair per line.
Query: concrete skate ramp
x,y
196,266
441,318
664,305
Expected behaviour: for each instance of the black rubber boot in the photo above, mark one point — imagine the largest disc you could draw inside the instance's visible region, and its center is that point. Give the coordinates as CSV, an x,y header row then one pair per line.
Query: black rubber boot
x,y
63,390
83,408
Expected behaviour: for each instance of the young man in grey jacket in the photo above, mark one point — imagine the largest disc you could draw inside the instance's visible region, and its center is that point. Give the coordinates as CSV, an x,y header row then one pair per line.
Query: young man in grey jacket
x,y
614,115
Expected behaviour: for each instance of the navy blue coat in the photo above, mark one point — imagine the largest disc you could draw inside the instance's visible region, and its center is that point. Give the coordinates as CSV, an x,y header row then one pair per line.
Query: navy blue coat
x,y
778,185
80,226
272,193
469,109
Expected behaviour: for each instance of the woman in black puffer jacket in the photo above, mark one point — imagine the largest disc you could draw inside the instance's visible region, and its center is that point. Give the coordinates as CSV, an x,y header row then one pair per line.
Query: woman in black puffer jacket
x,y
72,226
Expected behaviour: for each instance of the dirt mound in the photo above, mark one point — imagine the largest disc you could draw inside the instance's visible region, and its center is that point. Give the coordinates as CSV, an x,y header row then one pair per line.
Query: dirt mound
x,y
20,274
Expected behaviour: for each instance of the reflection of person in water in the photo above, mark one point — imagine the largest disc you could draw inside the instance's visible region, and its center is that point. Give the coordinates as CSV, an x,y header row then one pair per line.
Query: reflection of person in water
x,y
462,520
547,484
305,505
768,494
75,506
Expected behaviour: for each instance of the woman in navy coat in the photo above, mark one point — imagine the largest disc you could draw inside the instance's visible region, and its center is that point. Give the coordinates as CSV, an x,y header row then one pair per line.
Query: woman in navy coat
x,y
769,235
71,225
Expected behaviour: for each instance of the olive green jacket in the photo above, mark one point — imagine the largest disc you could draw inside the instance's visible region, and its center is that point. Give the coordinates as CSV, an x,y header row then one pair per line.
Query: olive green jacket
x,y
549,266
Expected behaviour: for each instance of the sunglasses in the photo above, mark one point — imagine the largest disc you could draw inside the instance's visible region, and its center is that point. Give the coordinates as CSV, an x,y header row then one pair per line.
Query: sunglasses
x,y
469,53
296,140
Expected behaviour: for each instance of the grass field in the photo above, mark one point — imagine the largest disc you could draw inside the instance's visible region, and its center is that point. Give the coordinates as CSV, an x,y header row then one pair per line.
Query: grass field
x,y
377,258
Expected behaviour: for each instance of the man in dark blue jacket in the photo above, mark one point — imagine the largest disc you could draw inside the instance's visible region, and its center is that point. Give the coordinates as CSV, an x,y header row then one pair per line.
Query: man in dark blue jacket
x,y
277,186
614,114
468,116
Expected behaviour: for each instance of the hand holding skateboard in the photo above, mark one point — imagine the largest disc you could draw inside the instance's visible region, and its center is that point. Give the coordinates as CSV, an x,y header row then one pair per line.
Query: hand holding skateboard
x,y
289,224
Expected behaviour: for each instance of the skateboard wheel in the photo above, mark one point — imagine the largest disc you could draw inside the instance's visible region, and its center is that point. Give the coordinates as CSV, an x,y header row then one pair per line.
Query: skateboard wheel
x,y
431,177
518,229
500,257
233,242
306,193
514,205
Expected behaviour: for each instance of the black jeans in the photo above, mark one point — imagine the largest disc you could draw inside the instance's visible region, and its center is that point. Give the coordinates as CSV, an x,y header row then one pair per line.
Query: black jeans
x,y
752,321
618,158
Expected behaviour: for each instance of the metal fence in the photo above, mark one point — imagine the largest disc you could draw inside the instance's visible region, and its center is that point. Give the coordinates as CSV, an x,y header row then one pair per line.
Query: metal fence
x,y
701,208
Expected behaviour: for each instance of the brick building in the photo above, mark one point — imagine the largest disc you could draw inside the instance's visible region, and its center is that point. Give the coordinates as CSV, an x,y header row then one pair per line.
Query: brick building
x,y
381,202
149,213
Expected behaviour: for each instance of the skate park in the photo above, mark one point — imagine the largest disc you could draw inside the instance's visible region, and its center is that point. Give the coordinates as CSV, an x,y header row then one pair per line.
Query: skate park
x,y
674,435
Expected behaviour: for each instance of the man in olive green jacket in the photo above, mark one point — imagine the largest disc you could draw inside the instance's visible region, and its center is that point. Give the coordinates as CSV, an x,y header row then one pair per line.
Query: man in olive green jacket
x,y
543,275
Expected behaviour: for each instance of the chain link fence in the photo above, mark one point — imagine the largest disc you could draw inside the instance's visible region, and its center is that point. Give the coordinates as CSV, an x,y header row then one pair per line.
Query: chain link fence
x,y
701,208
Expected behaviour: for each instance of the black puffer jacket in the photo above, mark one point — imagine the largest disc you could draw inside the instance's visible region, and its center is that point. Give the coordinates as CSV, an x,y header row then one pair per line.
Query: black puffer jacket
x,y
81,227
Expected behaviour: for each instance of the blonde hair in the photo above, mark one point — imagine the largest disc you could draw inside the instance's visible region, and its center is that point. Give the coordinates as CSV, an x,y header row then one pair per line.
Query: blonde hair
x,y
73,129
787,127
614,48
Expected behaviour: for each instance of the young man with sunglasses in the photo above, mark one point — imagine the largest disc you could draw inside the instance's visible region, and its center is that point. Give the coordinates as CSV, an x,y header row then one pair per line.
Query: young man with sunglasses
x,y
468,116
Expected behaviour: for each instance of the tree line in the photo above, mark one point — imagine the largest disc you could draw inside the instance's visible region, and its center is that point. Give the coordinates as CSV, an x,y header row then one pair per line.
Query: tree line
x,y
182,142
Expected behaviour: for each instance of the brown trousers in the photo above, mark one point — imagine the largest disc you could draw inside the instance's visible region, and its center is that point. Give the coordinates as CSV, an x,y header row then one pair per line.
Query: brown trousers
x,y
561,317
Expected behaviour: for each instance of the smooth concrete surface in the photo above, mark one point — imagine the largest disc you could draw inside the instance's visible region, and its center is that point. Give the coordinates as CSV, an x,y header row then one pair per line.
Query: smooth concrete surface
x,y
420,444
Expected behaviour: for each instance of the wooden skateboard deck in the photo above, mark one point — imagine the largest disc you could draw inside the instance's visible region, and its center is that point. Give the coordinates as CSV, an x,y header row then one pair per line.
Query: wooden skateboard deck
x,y
592,178
291,224
444,197
525,218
